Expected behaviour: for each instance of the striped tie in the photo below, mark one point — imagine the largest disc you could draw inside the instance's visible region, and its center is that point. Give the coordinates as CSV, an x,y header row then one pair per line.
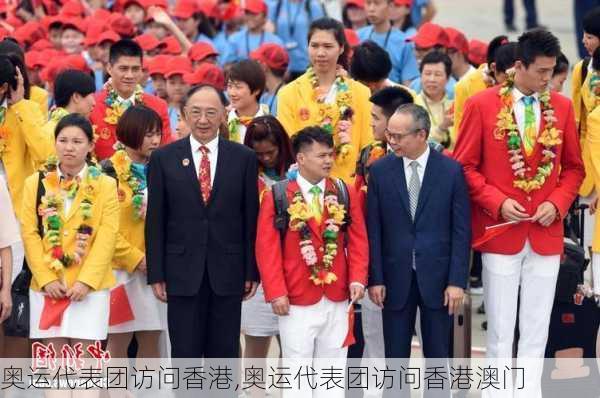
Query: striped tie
x,y
530,125
414,186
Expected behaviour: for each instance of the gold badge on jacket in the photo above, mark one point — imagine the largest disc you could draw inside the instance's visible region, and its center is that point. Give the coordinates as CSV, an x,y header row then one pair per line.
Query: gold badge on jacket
x,y
104,133
185,162
304,114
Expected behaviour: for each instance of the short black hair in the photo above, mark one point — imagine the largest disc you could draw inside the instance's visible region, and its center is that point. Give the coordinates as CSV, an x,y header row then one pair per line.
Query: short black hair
x,y
249,72
596,59
337,29
308,135
436,57
8,73
506,56
136,122
370,62
537,43
268,128
390,98
76,120
199,87
124,48
493,46
591,22
15,53
69,82
562,65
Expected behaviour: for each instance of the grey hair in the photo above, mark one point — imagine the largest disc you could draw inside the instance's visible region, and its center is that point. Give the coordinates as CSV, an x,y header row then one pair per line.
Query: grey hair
x,y
419,115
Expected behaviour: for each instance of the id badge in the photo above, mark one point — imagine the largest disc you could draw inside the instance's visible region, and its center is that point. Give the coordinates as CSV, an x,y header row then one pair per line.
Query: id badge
x,y
291,45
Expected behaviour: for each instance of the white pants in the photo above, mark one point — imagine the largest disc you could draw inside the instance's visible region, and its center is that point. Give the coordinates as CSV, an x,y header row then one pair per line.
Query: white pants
x,y
312,336
502,276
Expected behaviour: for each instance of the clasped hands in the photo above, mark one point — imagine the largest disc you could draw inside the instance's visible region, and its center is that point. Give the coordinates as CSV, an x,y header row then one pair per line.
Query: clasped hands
x,y
545,214
281,305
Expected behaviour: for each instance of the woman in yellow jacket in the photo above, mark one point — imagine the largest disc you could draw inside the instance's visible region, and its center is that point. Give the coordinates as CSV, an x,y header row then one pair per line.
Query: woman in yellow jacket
x,y
327,97
70,247
139,132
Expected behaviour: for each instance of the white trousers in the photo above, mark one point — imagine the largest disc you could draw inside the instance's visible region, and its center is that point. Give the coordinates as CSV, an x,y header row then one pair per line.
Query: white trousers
x,y
502,276
312,336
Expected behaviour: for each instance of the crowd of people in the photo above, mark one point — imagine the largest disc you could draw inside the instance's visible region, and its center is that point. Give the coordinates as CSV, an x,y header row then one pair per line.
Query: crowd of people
x,y
205,169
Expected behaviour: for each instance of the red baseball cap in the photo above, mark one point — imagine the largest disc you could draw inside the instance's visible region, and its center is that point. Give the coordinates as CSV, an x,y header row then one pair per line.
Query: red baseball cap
x,y
272,55
121,25
355,3
185,9
41,45
171,46
101,14
430,35
29,33
178,66
206,73
158,64
51,21
122,4
457,41
255,7
407,3
148,42
72,8
34,59
351,37
59,64
201,50
3,6
157,3
74,23
477,52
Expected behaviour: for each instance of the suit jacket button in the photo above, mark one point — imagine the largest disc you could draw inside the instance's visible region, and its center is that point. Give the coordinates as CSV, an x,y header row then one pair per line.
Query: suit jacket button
x,y
529,198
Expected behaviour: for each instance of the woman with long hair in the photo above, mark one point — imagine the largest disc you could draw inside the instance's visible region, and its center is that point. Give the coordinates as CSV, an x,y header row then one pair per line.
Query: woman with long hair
x,y
327,97
139,132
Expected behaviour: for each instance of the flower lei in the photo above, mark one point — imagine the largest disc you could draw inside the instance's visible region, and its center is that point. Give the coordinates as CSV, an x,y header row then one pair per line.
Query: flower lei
x,y
343,100
122,164
58,113
114,109
595,87
378,150
300,212
550,137
234,122
50,210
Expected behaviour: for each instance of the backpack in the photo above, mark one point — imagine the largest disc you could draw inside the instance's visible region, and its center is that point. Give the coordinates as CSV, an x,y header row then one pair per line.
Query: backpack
x,y
282,217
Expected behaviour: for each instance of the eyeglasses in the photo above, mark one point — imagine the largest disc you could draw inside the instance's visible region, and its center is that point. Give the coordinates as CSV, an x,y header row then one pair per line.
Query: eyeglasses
x,y
196,113
397,137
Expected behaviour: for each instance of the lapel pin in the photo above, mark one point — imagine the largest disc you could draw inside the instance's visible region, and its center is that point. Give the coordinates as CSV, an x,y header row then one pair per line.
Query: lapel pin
x,y
185,162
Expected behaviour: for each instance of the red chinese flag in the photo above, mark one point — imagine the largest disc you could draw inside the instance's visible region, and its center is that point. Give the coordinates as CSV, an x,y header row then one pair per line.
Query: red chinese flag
x,y
120,309
53,311
349,340
490,234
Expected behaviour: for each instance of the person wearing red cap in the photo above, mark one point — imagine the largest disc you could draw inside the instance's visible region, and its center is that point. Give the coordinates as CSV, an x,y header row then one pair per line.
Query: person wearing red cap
x,y
354,14
401,17
325,96
55,32
156,70
176,87
150,44
381,31
190,19
177,42
203,52
458,51
253,35
136,12
245,85
98,46
274,60
72,36
206,73
122,91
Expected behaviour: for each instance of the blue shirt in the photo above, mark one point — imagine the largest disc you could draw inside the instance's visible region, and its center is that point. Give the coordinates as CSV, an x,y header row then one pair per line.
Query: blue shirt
x,y
242,43
269,100
416,12
291,25
219,42
416,86
404,63
173,117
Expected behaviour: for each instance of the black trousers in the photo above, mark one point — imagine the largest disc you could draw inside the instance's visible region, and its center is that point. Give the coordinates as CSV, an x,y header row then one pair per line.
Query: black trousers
x,y
205,325
530,10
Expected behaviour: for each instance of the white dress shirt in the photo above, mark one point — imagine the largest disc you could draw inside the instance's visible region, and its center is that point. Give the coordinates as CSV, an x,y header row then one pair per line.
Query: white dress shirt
x,y
306,186
69,201
519,110
422,161
213,151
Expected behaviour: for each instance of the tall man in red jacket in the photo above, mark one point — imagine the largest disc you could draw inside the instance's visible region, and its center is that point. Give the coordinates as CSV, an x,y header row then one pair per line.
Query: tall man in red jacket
x,y
308,292
522,162
123,90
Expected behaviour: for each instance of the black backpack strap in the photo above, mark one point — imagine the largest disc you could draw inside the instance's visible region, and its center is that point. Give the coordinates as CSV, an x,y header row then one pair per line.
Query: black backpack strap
x,y
584,68
41,191
343,199
281,205
108,168
361,165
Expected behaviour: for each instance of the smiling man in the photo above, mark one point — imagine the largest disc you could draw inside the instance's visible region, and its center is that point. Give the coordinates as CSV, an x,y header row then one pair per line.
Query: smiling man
x,y
122,91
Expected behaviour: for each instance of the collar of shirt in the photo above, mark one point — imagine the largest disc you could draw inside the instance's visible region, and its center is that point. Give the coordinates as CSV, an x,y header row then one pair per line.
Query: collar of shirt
x,y
130,99
590,66
233,113
518,94
81,173
212,145
305,187
4,103
421,160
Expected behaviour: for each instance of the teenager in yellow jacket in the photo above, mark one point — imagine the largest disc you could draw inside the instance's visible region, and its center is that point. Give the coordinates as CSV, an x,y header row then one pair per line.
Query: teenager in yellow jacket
x,y
70,256
327,97
139,132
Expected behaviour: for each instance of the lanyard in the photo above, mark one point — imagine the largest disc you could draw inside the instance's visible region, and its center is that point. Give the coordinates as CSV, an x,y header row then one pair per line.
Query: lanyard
x,y
274,96
387,37
431,115
262,38
292,23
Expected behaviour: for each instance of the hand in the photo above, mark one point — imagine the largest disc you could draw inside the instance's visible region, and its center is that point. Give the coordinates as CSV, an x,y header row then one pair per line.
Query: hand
x,y
142,266
160,291
249,290
55,289
78,291
344,131
546,214
453,298
511,210
377,295
447,122
19,93
160,16
593,206
5,304
356,292
281,306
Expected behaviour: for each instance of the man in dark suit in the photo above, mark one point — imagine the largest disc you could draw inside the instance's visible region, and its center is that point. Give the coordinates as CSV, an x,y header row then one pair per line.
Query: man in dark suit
x,y
419,233
200,231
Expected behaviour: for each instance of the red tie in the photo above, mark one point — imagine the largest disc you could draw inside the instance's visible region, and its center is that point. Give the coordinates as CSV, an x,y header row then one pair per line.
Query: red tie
x,y
204,174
